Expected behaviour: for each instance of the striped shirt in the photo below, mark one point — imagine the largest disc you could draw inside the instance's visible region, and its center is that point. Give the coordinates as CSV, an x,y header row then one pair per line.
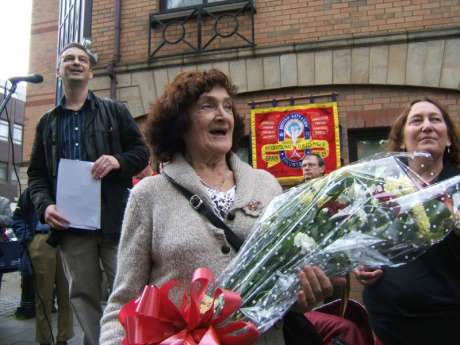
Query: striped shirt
x,y
71,124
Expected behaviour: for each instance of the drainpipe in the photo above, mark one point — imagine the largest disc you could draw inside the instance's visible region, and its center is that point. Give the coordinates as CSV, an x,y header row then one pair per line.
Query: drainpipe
x,y
116,51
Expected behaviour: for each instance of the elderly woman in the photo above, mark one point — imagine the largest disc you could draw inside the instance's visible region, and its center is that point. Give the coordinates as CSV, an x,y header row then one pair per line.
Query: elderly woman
x,y
194,129
419,303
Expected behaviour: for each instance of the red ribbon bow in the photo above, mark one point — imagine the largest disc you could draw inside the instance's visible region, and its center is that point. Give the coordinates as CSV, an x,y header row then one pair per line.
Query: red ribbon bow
x,y
153,319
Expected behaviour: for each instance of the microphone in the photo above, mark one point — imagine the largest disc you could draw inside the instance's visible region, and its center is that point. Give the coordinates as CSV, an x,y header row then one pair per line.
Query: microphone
x,y
31,78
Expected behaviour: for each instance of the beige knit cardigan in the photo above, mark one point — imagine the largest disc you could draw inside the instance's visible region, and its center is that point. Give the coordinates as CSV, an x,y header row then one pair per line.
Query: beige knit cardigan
x,y
163,238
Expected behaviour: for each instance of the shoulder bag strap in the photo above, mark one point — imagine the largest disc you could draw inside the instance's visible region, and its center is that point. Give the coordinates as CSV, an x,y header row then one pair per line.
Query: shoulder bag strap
x,y
199,205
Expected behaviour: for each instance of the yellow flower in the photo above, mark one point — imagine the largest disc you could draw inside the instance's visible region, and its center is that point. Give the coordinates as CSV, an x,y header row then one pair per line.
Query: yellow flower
x,y
421,219
308,194
400,186
306,198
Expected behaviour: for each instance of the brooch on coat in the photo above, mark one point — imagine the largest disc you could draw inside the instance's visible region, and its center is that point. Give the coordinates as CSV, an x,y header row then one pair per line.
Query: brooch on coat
x,y
253,208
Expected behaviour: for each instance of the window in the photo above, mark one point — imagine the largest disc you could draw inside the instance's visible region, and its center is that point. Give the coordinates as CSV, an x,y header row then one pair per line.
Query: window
x,y
74,26
194,26
74,21
3,130
243,151
171,4
243,154
366,142
17,134
3,171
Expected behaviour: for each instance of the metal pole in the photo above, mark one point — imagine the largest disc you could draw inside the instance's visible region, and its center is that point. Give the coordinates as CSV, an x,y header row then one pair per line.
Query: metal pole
x,y
7,98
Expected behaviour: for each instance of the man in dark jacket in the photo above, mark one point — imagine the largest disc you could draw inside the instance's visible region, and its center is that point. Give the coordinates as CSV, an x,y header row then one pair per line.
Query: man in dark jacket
x,y
85,127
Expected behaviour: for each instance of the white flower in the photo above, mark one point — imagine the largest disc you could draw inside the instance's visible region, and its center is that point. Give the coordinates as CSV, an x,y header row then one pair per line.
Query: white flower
x,y
305,242
359,192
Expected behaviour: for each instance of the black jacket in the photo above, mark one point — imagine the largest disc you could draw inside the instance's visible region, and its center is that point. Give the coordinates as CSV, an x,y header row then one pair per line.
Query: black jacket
x,y
109,129
24,218
419,302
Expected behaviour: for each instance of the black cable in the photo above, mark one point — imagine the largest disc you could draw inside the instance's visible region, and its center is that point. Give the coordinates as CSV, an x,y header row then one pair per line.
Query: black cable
x,y
10,136
37,293
26,248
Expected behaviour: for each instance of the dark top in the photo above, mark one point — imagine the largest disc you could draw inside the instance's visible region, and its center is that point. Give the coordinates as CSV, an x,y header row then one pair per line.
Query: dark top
x,y
25,220
109,129
419,303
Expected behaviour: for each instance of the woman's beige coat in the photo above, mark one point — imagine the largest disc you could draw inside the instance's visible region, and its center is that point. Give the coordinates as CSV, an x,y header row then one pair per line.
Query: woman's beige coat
x,y
164,238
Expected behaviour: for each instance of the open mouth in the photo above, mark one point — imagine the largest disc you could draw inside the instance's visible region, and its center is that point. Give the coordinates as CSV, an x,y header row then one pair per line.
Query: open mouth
x,y
218,131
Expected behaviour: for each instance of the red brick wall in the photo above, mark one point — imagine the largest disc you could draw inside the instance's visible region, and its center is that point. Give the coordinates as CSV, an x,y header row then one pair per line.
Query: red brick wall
x,y
102,29
40,97
284,21
359,106
134,29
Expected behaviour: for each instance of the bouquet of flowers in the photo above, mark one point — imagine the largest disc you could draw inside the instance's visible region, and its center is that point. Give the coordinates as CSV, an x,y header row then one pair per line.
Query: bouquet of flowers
x,y
375,212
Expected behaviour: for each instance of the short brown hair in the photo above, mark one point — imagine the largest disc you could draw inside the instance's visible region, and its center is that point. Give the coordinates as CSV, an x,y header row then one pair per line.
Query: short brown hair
x,y
395,138
318,158
92,56
169,117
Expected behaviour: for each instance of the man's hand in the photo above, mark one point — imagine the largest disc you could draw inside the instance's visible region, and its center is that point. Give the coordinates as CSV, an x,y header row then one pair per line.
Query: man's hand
x,y
54,219
315,287
104,165
367,276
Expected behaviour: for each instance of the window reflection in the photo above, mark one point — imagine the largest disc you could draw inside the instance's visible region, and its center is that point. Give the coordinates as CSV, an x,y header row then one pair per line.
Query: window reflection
x,y
185,3
369,147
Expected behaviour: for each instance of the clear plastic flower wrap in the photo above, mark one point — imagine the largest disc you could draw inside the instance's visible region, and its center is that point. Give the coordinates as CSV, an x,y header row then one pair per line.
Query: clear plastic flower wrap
x,y
375,212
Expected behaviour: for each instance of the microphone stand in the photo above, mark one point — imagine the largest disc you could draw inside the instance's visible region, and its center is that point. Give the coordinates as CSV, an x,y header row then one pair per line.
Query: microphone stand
x,y
8,97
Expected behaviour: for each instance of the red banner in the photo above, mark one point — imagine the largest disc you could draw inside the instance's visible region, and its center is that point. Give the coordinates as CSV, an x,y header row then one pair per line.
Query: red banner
x,y
281,137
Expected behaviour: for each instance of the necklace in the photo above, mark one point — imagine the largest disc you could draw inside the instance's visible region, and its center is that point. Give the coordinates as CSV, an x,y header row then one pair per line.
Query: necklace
x,y
217,186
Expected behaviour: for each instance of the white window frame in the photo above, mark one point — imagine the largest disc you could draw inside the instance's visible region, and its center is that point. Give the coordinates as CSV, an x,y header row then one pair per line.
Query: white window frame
x,y
17,134
4,130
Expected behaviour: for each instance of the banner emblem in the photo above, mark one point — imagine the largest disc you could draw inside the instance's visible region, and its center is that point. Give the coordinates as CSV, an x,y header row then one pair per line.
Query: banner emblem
x,y
293,127
281,136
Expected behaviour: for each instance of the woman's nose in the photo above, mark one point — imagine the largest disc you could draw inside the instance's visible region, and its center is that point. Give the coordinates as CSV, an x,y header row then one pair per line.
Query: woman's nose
x,y
220,111
427,125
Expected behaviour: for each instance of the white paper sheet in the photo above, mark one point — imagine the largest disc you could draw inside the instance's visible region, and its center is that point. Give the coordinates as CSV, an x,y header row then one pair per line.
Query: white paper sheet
x,y
78,196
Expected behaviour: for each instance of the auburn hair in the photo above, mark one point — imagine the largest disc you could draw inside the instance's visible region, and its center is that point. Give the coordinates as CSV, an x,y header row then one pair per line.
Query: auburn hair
x,y
169,117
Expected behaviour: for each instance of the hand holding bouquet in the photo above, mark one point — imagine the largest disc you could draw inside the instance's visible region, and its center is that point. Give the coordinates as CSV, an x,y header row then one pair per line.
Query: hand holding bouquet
x,y
375,212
